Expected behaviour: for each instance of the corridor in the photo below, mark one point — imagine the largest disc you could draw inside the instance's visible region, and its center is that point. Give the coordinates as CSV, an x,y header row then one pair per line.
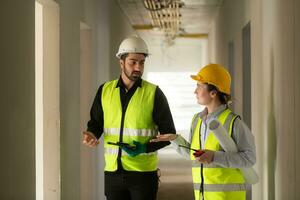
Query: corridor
x,y
56,53
176,176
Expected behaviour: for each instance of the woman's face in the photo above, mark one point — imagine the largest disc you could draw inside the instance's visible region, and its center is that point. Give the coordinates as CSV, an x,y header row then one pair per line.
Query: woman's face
x,y
202,94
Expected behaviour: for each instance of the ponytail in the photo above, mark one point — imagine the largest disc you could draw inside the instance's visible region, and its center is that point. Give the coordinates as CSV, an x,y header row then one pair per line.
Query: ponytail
x,y
224,98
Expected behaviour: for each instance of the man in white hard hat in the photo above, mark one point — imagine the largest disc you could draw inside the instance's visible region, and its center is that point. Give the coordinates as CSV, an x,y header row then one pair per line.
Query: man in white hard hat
x,y
130,111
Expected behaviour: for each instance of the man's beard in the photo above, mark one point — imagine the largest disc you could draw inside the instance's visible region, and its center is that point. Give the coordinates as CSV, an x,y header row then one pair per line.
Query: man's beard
x,y
134,76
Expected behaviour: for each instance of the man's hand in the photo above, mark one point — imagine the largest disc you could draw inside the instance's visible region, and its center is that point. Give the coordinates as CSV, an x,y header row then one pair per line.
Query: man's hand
x,y
164,137
89,139
134,151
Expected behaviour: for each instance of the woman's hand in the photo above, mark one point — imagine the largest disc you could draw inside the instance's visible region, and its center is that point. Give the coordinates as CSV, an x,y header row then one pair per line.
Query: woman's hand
x,y
207,157
164,137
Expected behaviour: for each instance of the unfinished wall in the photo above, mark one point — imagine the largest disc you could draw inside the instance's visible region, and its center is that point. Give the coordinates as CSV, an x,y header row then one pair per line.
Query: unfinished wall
x,y
120,29
275,87
94,59
297,91
82,167
17,86
69,98
258,105
286,166
275,98
18,89
226,29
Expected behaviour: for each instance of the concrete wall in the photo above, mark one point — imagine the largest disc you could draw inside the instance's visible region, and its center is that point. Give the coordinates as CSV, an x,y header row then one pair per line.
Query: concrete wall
x,y
285,90
94,59
120,28
297,88
69,98
275,98
17,75
107,24
275,86
107,27
227,28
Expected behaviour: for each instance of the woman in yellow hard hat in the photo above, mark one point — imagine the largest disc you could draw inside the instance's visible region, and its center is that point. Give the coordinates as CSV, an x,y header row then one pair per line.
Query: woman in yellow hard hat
x,y
216,173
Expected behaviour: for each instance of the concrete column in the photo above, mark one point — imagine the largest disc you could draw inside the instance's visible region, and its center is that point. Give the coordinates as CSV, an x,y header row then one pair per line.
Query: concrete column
x,y
17,119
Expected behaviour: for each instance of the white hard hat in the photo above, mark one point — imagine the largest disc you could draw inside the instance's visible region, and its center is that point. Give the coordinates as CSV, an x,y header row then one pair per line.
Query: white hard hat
x,y
132,44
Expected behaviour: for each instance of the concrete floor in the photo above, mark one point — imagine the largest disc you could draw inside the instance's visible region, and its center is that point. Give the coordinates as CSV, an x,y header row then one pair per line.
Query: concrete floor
x,y
176,177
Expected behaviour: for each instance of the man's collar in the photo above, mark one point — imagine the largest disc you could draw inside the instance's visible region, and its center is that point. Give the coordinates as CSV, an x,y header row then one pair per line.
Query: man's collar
x,y
137,83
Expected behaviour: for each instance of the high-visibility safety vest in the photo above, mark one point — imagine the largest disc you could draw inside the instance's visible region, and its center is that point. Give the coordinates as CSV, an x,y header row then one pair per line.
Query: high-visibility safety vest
x,y
212,182
138,125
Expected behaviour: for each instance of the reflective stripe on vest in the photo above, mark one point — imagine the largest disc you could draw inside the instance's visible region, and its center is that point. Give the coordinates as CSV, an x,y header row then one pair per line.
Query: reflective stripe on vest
x,y
138,125
196,163
114,151
131,132
219,183
221,187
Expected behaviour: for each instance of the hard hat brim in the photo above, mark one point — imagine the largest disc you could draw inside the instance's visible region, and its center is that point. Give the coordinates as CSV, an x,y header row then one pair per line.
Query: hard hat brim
x,y
119,55
197,78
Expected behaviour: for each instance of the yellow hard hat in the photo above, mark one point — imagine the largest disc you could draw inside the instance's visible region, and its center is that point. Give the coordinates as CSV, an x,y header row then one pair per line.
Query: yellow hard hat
x,y
216,75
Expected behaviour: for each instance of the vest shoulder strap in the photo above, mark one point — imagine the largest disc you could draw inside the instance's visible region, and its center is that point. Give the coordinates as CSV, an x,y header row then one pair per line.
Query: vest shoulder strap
x,y
229,122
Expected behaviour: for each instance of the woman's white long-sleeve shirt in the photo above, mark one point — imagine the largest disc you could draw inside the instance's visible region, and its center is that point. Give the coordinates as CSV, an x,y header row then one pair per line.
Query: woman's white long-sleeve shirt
x,y
242,136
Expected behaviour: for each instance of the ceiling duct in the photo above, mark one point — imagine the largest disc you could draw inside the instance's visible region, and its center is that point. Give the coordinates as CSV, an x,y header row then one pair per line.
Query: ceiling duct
x,y
169,19
165,16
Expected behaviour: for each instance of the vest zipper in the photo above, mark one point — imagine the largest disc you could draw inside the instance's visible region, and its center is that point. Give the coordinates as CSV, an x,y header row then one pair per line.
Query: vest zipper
x,y
202,182
119,162
202,177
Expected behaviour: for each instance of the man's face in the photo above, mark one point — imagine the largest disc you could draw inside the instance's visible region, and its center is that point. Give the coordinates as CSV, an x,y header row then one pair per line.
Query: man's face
x,y
133,66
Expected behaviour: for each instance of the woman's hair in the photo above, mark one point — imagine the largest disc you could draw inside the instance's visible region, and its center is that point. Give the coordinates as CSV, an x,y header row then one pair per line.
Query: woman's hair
x,y
224,98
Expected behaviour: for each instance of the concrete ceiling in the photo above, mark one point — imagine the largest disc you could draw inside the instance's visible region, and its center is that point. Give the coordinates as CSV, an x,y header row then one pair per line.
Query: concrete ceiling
x,y
195,18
